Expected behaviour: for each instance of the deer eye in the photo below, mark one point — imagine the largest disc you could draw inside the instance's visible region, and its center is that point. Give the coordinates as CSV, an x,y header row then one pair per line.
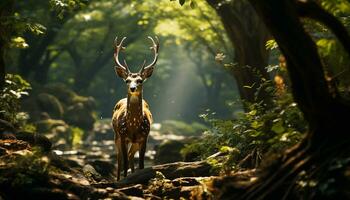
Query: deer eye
x,y
139,81
127,81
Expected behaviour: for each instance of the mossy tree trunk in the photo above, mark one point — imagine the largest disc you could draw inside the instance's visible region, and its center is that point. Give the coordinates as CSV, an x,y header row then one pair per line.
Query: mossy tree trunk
x,y
326,112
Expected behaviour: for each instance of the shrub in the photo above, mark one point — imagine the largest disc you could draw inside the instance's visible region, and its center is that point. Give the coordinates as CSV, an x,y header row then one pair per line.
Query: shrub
x,y
14,89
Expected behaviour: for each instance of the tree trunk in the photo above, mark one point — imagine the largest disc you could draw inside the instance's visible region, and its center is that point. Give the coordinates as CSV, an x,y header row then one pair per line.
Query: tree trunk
x,y
32,60
2,64
248,35
5,30
325,113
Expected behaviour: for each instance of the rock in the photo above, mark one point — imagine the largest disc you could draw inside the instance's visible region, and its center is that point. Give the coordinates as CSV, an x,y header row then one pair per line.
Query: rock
x,y
14,145
7,130
170,171
118,196
106,169
46,126
48,193
57,131
186,181
62,92
3,151
195,192
135,190
182,128
50,104
90,173
169,152
79,115
35,139
152,197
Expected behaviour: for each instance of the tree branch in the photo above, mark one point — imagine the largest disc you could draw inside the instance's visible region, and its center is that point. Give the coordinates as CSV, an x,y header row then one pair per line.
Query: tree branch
x,y
312,10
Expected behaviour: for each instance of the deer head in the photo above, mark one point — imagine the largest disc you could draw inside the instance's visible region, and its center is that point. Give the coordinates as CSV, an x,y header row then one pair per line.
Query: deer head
x,y
134,80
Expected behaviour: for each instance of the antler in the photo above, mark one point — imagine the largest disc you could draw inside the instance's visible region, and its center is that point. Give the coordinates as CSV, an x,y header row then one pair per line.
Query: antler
x,y
117,49
155,48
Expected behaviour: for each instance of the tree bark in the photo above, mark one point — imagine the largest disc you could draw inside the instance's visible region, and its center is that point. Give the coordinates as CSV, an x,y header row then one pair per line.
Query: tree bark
x,y
5,10
248,35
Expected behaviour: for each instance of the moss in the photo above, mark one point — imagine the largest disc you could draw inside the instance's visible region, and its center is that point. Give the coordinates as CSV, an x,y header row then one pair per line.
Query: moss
x,y
45,126
62,92
79,115
50,104
168,152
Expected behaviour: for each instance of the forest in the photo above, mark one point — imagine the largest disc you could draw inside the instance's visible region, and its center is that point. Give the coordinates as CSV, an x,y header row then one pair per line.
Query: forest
x,y
174,99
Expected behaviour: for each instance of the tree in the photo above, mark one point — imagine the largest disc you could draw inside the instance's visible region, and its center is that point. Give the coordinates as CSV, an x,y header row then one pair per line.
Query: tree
x,y
248,36
325,110
201,34
5,11
92,32
38,57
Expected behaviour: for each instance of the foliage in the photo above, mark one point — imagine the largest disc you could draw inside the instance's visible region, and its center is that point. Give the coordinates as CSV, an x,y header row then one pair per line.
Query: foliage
x,y
15,26
62,7
75,136
17,23
24,170
257,131
332,53
15,88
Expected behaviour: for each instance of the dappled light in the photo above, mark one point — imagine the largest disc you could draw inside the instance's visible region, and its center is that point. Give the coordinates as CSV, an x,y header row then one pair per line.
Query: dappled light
x,y
174,99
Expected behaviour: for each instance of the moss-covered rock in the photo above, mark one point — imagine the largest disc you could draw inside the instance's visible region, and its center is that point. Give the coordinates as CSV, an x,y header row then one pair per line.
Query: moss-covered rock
x,y
50,104
168,152
47,125
57,101
62,92
182,128
79,115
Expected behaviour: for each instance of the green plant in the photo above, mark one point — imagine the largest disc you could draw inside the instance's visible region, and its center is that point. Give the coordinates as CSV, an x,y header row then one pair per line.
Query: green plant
x,y
15,88
75,136
25,169
252,133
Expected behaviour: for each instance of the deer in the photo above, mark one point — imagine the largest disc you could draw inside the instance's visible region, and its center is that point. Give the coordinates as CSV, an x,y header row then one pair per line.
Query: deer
x,y
132,118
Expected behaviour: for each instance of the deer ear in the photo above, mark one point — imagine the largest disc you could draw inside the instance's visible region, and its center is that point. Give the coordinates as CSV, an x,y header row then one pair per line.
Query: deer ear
x,y
147,72
121,72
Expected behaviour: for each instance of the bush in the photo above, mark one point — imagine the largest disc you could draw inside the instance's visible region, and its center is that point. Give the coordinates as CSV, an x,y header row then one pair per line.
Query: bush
x,y
15,87
254,132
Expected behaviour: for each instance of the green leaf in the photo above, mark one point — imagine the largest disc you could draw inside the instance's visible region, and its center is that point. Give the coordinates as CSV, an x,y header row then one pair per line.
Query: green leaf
x,y
228,149
278,127
19,42
193,4
182,2
253,112
256,124
271,44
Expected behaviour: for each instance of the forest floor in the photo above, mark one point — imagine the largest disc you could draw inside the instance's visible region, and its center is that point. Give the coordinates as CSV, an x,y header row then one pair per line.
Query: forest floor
x,y
89,172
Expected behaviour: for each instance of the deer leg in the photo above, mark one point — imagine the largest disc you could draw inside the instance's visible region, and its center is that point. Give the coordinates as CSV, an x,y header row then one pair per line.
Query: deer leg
x,y
142,153
119,157
132,151
125,156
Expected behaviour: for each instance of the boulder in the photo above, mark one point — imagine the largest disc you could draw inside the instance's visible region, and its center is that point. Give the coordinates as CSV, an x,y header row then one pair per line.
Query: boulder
x,y
79,115
169,151
50,104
